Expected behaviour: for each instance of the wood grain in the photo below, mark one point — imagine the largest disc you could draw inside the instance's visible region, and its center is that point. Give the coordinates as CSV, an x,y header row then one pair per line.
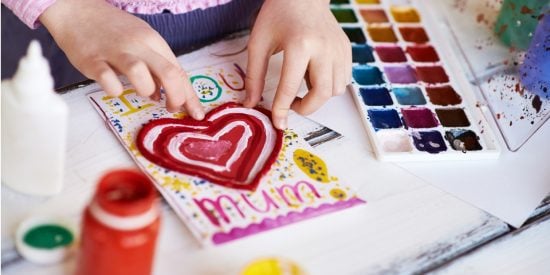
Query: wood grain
x,y
523,251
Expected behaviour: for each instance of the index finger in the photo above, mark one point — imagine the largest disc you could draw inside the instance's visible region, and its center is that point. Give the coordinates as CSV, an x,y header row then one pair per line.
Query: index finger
x,y
292,74
176,84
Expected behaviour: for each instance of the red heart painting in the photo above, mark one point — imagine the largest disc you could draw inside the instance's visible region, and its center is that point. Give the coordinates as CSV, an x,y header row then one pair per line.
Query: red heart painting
x,y
233,146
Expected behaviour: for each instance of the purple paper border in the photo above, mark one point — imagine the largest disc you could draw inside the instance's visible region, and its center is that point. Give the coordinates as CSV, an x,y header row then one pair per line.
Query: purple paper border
x,y
291,217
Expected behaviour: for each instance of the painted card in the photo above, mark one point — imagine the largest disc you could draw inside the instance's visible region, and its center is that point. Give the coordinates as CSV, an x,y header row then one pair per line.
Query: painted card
x,y
297,186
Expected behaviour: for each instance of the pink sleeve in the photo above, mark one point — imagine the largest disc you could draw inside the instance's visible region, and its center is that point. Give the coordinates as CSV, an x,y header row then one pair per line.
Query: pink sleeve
x,y
28,10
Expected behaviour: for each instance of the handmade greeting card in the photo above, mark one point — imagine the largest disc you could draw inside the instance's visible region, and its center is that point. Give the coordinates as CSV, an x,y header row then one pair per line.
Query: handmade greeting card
x,y
232,174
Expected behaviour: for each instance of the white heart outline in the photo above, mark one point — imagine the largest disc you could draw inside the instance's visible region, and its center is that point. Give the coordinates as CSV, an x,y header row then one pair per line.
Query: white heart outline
x,y
175,142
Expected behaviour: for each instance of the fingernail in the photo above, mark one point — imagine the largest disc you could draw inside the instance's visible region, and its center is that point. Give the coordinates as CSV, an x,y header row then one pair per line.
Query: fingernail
x,y
280,123
198,114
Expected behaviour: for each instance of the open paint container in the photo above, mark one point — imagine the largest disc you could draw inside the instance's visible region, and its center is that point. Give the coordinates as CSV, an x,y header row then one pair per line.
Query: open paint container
x,y
45,239
412,96
503,46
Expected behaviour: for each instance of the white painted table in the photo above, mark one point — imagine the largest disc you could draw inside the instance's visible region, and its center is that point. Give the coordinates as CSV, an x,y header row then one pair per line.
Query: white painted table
x,y
408,226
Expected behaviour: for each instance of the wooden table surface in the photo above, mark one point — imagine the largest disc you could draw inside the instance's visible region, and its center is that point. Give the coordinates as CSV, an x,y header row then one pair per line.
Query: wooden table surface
x,y
407,226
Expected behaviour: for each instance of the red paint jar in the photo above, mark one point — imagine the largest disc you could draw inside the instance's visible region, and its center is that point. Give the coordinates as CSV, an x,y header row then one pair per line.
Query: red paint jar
x,y
120,226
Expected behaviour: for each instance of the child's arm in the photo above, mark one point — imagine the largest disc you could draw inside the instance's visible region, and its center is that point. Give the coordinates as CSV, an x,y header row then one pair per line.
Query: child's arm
x,y
101,41
314,46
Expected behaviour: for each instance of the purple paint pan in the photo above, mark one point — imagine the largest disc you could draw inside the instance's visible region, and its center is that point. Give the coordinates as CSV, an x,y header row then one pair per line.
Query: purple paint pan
x,y
400,74
417,117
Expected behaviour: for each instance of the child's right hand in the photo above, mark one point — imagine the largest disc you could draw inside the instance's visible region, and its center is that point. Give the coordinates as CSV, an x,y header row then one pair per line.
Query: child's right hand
x,y
101,41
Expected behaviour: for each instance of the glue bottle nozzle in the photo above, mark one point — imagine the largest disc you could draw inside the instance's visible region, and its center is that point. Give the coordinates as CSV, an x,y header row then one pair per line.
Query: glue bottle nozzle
x,y
32,78
34,51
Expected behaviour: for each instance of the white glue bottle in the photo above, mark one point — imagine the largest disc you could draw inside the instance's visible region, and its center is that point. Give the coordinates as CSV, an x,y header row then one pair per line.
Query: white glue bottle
x,y
34,128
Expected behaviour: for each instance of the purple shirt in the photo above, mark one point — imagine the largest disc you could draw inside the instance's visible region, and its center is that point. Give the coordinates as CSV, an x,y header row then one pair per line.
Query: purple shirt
x,y
29,10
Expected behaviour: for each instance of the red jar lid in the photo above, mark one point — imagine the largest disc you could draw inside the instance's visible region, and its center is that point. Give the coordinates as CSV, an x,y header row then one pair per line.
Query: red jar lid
x,y
125,192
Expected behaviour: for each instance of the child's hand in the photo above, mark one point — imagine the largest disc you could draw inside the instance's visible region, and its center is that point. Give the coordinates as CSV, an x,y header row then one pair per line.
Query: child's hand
x,y
101,41
312,42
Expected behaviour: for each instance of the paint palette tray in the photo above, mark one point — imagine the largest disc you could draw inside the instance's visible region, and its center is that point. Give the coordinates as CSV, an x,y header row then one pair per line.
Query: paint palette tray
x,y
413,103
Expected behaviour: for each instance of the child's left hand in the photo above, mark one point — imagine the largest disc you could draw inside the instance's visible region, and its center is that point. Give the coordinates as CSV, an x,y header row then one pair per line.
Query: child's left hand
x,y
314,46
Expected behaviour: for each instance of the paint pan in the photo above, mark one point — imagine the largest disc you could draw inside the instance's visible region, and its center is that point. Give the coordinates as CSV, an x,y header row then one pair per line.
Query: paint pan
x,y
419,117
362,54
378,96
384,118
453,117
429,141
405,14
355,35
344,15
463,140
409,95
400,74
422,53
432,74
374,15
395,141
381,33
390,54
443,95
414,34
367,75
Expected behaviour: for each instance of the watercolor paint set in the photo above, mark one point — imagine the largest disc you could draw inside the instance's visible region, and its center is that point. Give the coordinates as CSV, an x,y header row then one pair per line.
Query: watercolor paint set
x,y
413,103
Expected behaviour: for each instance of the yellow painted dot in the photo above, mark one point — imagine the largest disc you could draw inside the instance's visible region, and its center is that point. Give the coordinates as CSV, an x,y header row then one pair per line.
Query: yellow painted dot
x,y
175,184
338,194
272,266
313,166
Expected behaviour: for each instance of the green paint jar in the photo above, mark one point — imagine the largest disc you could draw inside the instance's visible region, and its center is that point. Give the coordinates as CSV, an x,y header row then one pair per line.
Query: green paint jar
x,y
45,240
48,236
517,21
